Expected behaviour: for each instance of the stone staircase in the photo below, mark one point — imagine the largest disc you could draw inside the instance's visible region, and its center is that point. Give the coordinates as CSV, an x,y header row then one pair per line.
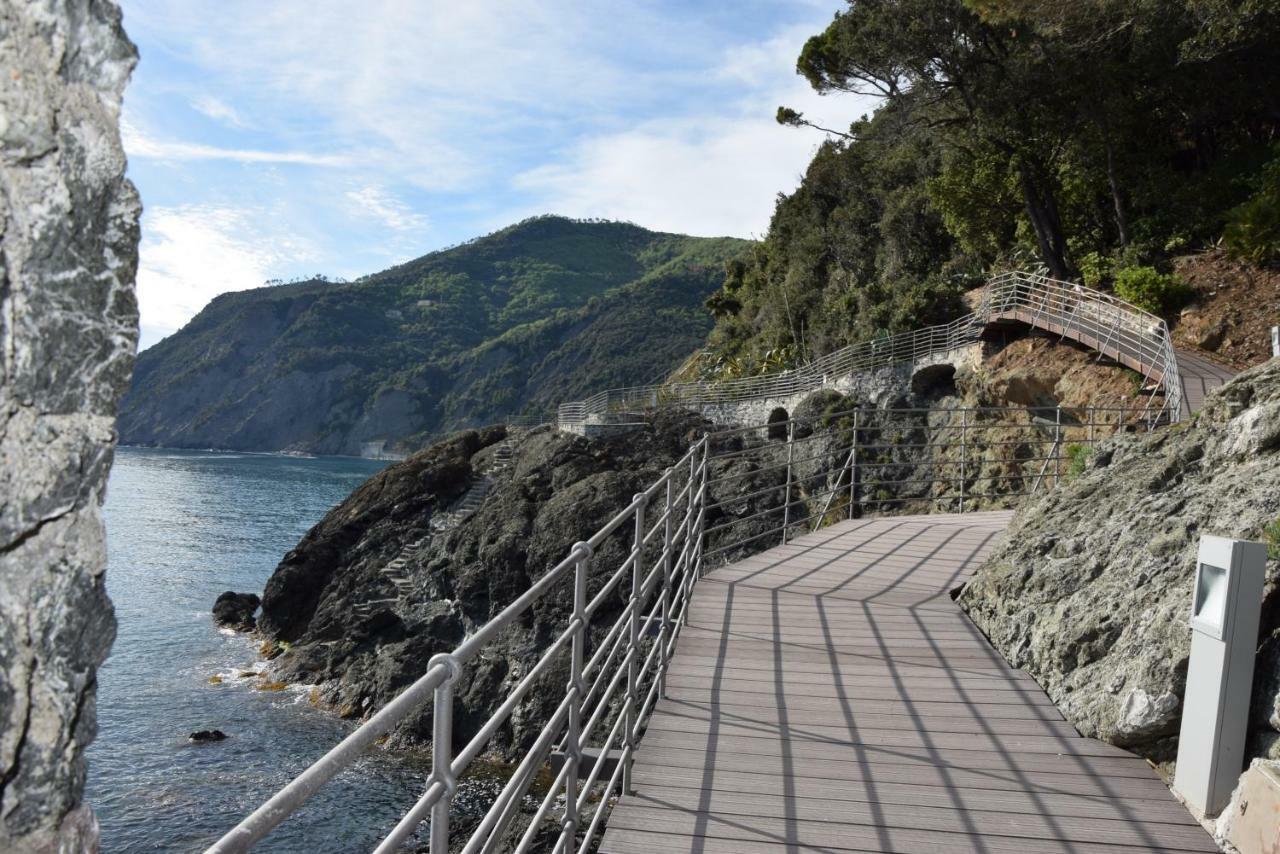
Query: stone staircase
x,y
472,499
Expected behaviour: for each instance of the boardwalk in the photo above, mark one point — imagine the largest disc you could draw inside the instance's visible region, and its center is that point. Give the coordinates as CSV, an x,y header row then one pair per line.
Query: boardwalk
x,y
1199,377
828,695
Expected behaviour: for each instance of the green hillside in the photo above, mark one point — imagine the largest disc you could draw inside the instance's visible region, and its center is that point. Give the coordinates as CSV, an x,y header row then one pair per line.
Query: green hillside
x,y
511,323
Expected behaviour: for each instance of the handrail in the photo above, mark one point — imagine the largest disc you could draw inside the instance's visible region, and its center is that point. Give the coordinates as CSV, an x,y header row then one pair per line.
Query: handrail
x,y
1106,323
671,551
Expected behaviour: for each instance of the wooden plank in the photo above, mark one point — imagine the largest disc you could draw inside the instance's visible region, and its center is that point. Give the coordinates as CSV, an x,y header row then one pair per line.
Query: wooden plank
x,y
1032,774
828,695
1110,776
683,831
755,738
1133,829
798,698
828,724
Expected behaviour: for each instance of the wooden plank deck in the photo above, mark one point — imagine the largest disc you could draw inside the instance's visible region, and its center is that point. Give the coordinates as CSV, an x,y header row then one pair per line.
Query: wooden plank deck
x,y
1199,377
828,695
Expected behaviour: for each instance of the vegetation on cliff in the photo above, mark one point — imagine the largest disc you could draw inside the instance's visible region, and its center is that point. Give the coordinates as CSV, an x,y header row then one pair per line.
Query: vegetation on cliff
x,y
1080,136
510,323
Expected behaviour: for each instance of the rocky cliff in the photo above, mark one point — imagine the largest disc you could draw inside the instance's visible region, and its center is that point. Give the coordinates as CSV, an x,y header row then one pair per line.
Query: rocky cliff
x,y
1090,590
516,321
335,616
68,329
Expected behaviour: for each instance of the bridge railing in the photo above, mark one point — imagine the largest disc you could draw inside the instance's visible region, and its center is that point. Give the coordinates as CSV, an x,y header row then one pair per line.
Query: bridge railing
x,y
732,493
1110,325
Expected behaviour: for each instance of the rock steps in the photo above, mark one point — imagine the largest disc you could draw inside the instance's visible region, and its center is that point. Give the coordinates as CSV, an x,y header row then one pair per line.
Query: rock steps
x,y
472,500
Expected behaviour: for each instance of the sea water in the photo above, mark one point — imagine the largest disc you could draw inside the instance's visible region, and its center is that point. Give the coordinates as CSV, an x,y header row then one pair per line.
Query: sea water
x,y
181,528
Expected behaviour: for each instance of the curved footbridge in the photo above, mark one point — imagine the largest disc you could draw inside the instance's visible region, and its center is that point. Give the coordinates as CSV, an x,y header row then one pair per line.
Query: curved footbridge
x,y
828,695
1176,381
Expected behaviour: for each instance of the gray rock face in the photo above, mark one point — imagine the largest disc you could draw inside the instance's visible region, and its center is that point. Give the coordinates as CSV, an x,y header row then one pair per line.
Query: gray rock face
x,y
345,629
1090,589
68,331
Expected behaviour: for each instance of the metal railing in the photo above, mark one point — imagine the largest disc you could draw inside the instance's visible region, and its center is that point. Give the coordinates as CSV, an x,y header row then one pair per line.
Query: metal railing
x,y
769,483
611,692
732,493
1109,325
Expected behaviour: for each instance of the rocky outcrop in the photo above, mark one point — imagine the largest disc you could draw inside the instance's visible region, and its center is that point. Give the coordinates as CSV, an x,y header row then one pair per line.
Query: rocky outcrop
x,y
1090,589
235,610
68,330
360,637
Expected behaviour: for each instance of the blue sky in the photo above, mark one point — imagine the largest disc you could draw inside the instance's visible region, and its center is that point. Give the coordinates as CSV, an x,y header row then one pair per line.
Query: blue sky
x,y
285,138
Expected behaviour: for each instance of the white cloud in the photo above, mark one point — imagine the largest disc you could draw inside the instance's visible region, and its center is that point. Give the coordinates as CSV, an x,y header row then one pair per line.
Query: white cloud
x,y
191,254
438,95
686,177
713,174
218,110
138,144
376,203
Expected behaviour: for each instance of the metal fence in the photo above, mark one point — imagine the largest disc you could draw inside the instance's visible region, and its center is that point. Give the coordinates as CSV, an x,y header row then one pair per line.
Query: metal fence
x,y
733,492
608,697
1109,325
769,483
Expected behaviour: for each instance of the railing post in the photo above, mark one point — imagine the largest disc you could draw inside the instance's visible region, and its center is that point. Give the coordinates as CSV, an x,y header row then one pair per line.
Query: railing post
x,y
1057,445
700,520
573,733
442,753
786,506
964,430
630,703
664,625
853,468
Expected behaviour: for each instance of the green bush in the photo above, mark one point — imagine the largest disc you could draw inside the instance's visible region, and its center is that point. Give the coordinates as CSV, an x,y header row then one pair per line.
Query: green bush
x,y
1148,289
1271,534
1095,268
1078,457
1253,229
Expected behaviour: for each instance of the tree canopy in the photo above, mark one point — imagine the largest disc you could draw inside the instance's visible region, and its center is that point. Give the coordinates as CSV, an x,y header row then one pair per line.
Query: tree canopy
x,y
1009,132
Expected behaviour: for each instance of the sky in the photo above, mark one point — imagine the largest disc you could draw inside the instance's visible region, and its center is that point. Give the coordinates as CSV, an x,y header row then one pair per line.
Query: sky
x,y
283,139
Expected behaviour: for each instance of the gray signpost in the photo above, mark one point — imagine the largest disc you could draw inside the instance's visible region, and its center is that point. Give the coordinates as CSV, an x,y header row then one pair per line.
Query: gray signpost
x,y
1224,637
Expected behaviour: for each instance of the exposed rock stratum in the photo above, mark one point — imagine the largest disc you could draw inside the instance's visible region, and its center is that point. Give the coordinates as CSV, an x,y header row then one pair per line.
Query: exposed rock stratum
x,y
68,331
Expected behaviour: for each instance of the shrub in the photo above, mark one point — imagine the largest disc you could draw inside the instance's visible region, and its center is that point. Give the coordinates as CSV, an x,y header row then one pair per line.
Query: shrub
x,y
1151,290
1253,229
1271,534
1095,268
1078,457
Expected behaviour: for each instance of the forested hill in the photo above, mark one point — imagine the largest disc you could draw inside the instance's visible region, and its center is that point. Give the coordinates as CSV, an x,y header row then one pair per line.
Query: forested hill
x,y
513,322
1092,138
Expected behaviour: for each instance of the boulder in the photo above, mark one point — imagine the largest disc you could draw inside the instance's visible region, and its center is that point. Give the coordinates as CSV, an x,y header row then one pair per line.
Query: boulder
x,y
207,735
1090,588
235,610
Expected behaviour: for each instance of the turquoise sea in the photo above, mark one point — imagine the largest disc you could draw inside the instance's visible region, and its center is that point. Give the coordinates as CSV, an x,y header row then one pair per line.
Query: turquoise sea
x,y
181,528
